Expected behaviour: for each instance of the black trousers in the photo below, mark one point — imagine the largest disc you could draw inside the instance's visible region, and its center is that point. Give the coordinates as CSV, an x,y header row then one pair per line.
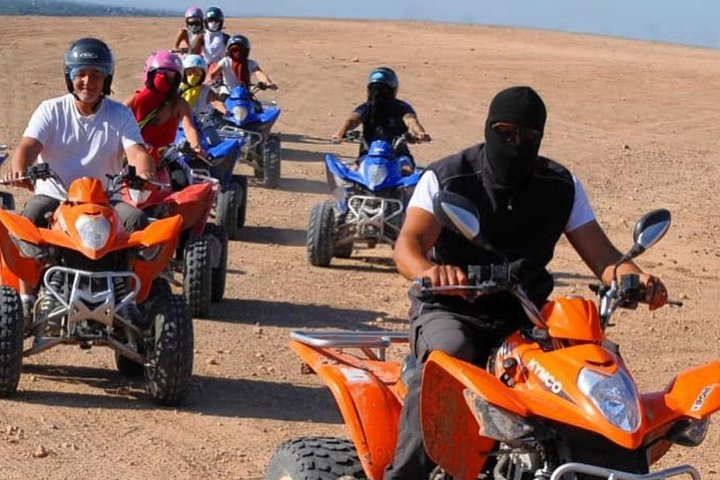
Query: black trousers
x,y
38,207
469,337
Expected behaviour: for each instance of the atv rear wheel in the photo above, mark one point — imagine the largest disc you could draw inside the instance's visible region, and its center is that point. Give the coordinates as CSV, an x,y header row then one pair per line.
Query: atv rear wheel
x,y
319,458
320,234
11,341
170,350
271,161
226,209
197,275
219,269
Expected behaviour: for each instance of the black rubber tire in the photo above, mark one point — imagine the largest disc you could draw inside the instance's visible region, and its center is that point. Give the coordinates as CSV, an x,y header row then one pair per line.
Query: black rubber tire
x,y
271,162
315,458
219,273
168,375
226,209
320,234
197,275
159,288
242,204
11,341
343,251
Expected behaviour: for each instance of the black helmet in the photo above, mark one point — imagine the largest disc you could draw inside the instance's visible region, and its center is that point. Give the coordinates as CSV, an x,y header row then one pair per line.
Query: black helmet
x,y
240,40
384,76
214,14
89,52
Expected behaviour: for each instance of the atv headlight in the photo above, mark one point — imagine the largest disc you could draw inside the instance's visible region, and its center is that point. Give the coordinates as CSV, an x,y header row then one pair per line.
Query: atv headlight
x,y
29,250
239,113
94,231
496,423
138,196
615,396
376,174
150,253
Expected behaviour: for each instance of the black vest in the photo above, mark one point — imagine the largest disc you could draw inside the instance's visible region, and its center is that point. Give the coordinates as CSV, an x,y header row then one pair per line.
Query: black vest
x,y
525,228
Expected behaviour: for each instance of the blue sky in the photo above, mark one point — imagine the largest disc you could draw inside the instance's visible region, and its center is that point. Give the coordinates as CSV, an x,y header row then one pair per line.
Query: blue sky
x,y
692,22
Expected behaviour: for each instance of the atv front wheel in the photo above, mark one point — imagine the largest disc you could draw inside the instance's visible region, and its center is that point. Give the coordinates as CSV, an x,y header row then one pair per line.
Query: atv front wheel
x,y
319,458
197,275
226,209
320,234
219,269
11,341
271,161
170,350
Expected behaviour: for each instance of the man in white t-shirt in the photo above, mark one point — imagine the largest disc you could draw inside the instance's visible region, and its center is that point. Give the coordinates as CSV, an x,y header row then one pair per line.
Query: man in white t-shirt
x,y
81,134
526,202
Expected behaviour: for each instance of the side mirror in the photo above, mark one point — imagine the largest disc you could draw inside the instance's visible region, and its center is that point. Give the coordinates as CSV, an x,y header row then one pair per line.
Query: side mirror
x,y
457,213
648,231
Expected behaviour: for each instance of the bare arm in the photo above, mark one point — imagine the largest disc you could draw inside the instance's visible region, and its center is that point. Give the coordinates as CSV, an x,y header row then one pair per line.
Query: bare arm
x,y
600,255
137,156
25,155
415,127
215,101
353,121
191,132
419,233
181,37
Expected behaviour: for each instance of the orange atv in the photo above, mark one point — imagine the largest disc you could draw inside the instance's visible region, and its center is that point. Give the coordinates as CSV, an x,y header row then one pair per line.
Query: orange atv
x,y
97,285
202,251
555,401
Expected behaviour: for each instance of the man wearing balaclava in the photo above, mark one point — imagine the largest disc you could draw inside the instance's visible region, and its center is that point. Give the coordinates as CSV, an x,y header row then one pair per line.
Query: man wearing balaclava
x,y
383,116
525,202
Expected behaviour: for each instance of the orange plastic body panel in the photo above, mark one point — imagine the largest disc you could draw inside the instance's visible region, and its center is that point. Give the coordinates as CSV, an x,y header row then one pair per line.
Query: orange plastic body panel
x,y
87,190
368,394
573,318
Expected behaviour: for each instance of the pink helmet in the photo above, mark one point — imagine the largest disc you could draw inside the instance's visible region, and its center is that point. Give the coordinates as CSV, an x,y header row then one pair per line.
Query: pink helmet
x,y
161,59
194,12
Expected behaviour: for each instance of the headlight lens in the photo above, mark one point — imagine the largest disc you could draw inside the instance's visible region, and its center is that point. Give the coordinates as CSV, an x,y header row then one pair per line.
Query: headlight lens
x,y
615,396
94,231
377,174
496,423
239,113
150,253
29,250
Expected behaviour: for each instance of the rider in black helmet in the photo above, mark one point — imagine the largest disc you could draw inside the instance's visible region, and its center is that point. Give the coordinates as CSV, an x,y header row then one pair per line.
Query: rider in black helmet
x,y
383,116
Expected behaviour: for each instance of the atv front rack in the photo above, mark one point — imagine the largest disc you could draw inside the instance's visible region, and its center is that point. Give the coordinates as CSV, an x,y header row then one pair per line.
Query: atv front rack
x,y
365,341
570,469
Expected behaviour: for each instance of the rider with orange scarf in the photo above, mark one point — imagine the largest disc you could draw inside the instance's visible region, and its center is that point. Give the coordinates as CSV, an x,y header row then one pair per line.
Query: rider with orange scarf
x,y
237,67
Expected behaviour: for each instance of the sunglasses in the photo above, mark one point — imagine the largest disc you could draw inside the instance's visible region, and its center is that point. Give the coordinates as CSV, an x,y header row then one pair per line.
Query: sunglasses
x,y
194,23
171,74
514,133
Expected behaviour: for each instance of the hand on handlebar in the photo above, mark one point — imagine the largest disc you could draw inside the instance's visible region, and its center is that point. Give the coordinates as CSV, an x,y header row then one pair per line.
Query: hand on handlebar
x,y
656,294
444,276
420,137
18,180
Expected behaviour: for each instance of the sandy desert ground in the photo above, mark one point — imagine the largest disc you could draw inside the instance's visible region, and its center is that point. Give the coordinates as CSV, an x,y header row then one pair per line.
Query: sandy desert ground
x,y
636,121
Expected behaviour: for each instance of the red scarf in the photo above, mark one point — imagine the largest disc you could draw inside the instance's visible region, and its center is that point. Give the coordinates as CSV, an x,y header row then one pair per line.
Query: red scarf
x,y
155,134
241,71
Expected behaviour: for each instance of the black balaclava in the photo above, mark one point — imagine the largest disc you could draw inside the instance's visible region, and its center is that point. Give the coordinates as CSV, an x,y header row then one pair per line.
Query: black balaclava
x,y
508,165
380,100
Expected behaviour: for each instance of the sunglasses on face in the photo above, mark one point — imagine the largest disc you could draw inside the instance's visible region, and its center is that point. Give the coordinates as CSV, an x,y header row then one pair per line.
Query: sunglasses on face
x,y
514,133
171,74
194,23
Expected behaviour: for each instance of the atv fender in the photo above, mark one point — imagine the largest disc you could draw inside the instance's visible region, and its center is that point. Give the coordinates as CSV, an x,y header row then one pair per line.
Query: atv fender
x,y
165,231
16,266
450,430
367,396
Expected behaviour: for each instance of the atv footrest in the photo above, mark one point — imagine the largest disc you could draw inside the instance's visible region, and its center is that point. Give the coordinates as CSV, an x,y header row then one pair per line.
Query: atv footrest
x,y
571,468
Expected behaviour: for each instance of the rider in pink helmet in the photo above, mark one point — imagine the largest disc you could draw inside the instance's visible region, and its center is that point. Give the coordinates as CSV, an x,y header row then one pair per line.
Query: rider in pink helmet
x,y
159,108
193,34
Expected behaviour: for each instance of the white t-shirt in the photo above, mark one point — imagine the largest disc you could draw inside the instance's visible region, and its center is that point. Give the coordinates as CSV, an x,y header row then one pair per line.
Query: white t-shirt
x,y
229,76
428,186
81,146
214,47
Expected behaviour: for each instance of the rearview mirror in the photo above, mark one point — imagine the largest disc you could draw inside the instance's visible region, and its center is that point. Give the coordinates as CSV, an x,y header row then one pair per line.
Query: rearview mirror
x,y
457,213
649,229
